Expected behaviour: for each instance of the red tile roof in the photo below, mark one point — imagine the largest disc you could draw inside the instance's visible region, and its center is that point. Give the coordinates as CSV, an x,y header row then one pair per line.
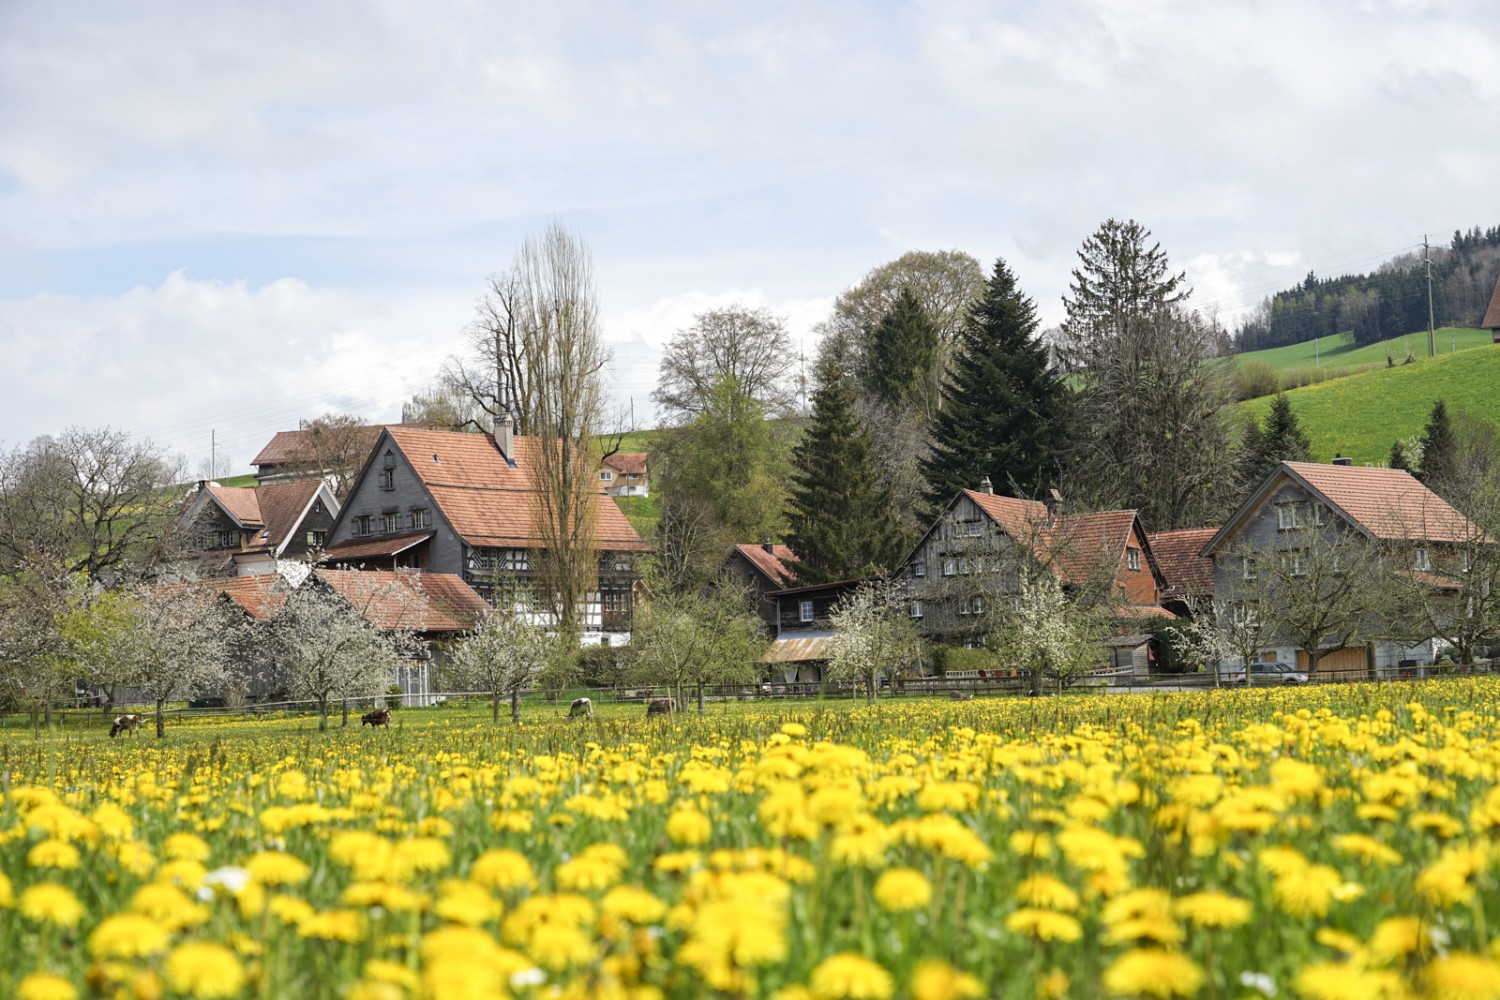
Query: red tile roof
x,y
290,447
775,565
261,595
1179,554
488,501
632,463
422,602
1077,545
1387,503
283,504
1492,314
240,501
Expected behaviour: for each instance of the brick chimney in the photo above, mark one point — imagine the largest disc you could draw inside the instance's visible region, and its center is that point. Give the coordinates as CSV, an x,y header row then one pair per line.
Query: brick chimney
x,y
986,487
505,439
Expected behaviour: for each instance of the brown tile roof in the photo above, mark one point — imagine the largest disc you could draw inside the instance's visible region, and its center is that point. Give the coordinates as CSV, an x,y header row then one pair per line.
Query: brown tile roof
x,y
1179,554
261,595
378,547
282,505
775,565
1492,314
422,602
798,650
1387,503
240,501
486,500
1077,545
289,447
632,463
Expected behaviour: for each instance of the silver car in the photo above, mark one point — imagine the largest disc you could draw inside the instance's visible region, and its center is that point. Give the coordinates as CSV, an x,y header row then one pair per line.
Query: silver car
x,y
1268,675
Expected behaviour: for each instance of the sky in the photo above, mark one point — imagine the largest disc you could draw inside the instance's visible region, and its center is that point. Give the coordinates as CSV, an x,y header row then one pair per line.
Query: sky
x,y
218,219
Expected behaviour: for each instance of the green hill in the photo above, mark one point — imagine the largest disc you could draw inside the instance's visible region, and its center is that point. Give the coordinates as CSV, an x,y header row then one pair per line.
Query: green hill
x,y
1361,415
1340,351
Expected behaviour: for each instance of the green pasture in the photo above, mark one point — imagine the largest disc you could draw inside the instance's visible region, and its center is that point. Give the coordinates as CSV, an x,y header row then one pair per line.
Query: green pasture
x,y
1339,350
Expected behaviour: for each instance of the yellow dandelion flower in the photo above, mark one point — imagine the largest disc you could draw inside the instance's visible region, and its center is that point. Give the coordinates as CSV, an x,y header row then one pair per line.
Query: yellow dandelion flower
x,y
277,868
466,903
49,903
901,889
1213,909
185,847
582,874
627,902
1339,981
847,976
290,910
7,892
1045,925
557,946
128,935
1047,892
689,827
54,854
383,971
205,970
502,869
1395,937
168,905
333,925
46,986
1366,848
935,980
1462,976
1307,893
1153,972
795,730
380,991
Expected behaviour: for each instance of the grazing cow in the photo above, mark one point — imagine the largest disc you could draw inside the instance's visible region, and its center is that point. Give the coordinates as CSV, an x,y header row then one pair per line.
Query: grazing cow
x,y
958,695
582,708
379,717
660,706
123,723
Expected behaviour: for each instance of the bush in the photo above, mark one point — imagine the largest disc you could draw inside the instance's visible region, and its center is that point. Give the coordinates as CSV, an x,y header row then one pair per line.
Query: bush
x,y
946,658
393,697
1256,378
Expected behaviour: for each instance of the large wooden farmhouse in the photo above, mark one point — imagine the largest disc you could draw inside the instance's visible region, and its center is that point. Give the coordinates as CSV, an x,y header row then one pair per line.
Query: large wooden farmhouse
x,y
242,531
449,502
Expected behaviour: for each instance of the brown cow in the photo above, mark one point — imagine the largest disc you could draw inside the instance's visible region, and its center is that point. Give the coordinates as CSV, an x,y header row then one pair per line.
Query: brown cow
x,y
661,706
379,717
125,723
582,708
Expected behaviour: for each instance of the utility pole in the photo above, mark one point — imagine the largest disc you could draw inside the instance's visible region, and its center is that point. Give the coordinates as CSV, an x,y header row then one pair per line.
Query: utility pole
x,y
1431,334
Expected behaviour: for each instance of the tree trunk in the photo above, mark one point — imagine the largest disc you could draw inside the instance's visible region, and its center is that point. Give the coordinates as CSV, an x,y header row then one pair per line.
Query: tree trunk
x,y
495,706
36,724
49,713
345,723
322,715
161,719
874,688
1313,656
700,697
515,705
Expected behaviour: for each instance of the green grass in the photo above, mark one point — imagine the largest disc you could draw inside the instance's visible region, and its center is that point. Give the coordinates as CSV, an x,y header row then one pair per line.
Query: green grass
x,y
1361,415
1340,351
634,441
642,513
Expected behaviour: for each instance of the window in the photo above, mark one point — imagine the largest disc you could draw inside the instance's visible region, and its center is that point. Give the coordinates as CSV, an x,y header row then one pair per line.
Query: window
x,y
971,606
950,566
317,507
1294,563
916,609
1317,513
364,524
970,529
421,517
631,477
615,601
1422,558
1251,570
919,568
227,540
1468,560
390,521
805,611
1133,559
387,479
606,476
517,560
1243,615
315,539
1286,517
481,559
964,567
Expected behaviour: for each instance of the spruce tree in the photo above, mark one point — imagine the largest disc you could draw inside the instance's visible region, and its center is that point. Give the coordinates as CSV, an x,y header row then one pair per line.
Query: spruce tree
x,y
843,522
1281,439
1003,402
1438,448
902,361
1398,457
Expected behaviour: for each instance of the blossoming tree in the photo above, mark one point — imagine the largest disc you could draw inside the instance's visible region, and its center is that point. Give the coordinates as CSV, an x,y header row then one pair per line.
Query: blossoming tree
x,y
502,656
873,635
178,645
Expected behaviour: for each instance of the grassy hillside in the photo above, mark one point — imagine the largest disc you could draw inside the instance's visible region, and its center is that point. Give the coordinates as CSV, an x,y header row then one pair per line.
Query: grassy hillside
x,y
1361,415
1339,351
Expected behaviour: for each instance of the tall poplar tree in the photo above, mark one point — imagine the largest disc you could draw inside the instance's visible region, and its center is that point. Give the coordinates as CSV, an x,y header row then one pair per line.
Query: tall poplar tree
x,y
843,522
1003,402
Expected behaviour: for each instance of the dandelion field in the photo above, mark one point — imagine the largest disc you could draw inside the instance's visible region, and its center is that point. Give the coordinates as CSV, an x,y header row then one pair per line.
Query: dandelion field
x,y
1323,843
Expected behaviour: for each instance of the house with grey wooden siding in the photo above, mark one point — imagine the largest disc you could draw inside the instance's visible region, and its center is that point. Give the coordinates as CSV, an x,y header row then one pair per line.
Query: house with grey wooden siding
x,y
1304,508
464,503
243,531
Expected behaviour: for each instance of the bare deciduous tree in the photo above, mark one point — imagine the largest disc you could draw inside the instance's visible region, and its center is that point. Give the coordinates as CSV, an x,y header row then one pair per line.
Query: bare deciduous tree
x,y
502,656
694,639
333,446
873,635
495,377
750,346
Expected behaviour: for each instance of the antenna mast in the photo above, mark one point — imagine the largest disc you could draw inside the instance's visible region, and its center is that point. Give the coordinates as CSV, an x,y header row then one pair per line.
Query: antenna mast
x,y
1431,334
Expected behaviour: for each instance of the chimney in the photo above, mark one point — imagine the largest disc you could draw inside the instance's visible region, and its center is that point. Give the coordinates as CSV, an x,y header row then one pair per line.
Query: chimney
x,y
1341,460
505,438
986,487
768,546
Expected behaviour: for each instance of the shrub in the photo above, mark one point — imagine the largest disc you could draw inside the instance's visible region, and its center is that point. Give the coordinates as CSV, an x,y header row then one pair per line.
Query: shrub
x,y
393,697
946,658
1255,378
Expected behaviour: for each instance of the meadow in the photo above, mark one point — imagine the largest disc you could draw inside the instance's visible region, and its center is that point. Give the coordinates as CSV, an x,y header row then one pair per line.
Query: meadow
x,y
1325,843
1340,350
1360,416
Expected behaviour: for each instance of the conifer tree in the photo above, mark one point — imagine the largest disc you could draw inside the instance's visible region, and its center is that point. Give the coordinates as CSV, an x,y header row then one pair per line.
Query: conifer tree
x,y
1279,439
1438,448
843,522
1398,457
901,367
1003,402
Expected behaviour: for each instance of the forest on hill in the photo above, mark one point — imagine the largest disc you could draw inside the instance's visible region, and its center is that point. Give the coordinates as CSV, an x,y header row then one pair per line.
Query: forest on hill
x,y
1389,302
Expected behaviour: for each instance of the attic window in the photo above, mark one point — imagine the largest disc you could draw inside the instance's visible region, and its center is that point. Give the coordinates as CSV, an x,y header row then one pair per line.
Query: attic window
x,y
1133,558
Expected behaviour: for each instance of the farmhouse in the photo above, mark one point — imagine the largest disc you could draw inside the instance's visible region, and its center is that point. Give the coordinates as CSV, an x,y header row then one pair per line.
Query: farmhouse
x,y
762,569
626,474
249,530
1301,536
465,504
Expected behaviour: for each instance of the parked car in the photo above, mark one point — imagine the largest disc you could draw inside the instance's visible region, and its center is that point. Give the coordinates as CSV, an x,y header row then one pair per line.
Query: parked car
x,y
1267,675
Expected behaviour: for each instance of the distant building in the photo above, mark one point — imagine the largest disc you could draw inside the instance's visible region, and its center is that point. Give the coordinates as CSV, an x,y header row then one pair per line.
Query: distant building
x,y
626,474
247,530
763,569
799,650
1188,575
1492,315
